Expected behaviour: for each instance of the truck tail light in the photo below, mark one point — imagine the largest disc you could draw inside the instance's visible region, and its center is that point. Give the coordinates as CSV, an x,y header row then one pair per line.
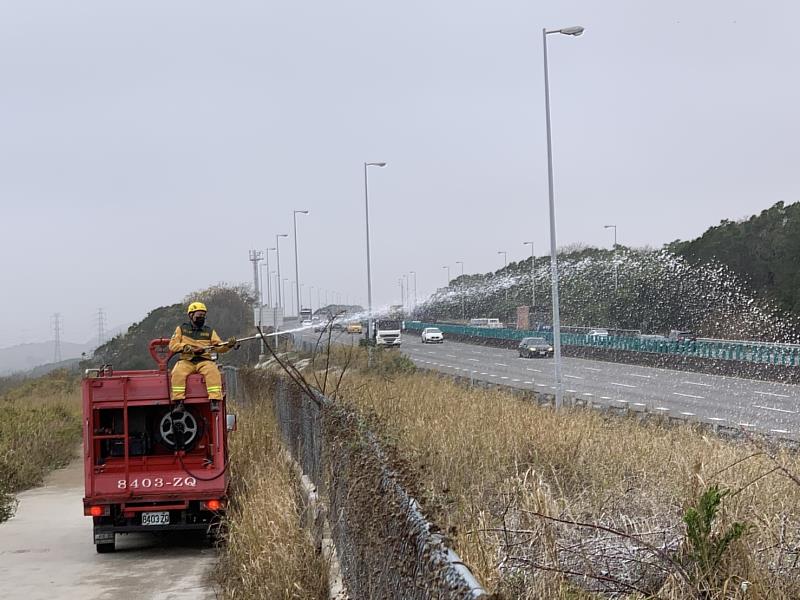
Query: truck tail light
x,y
213,505
96,511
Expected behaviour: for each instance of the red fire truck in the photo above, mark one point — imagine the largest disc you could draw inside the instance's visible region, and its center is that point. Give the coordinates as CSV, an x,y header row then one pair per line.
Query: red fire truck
x,y
147,466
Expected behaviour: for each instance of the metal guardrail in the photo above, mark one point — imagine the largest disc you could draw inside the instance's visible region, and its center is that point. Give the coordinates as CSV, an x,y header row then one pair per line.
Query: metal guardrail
x,y
385,545
753,352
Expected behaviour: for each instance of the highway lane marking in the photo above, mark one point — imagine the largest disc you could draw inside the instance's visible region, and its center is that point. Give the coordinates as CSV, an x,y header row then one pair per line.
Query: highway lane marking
x,y
778,431
505,378
688,396
572,391
639,404
587,394
627,385
515,380
536,370
620,400
541,385
573,376
592,369
745,425
688,414
642,376
429,352
781,410
451,356
697,383
530,382
492,375
605,397
484,373
500,365
771,394
662,408
474,359
717,419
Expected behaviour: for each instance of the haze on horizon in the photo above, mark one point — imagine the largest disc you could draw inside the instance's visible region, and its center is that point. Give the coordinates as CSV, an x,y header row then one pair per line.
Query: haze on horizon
x,y
147,147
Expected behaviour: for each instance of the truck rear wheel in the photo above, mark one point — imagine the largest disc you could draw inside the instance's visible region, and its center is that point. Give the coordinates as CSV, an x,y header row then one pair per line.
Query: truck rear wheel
x,y
105,548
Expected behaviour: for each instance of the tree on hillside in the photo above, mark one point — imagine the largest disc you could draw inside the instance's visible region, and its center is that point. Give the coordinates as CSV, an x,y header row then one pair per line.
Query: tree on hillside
x,y
230,313
764,250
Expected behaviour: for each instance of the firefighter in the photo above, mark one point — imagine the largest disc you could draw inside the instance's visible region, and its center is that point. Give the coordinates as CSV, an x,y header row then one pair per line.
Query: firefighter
x,y
193,340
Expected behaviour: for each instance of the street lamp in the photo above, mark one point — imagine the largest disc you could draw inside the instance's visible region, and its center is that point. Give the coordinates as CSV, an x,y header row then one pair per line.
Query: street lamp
x,y
278,260
575,31
369,266
533,276
448,274
296,268
269,287
616,278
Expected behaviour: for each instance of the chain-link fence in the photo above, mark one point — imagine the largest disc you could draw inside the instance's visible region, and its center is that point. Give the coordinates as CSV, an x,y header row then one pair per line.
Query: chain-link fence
x,y
386,546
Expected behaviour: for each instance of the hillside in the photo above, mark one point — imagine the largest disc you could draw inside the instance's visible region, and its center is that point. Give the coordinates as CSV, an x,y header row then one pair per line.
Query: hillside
x,y
657,291
229,313
763,250
23,357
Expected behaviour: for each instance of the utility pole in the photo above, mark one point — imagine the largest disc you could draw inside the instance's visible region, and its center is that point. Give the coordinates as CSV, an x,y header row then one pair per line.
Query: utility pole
x,y
255,257
281,299
57,325
616,278
101,324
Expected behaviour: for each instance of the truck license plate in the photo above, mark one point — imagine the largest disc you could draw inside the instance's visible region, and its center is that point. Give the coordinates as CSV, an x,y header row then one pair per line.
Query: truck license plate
x,y
155,518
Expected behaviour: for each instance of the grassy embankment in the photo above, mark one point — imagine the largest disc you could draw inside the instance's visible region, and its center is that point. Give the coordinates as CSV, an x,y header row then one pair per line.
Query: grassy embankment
x,y
267,554
497,470
40,427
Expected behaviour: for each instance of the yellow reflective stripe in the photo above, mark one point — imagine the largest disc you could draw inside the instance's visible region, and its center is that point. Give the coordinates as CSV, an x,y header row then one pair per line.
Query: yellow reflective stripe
x,y
214,388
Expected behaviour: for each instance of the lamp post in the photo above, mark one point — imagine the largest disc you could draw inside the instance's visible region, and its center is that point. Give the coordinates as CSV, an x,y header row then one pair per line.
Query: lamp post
x,y
278,237
296,267
616,278
533,277
553,260
369,265
448,274
269,287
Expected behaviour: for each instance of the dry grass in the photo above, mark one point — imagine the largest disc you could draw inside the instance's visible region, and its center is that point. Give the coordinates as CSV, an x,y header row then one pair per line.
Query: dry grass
x,y
39,430
493,467
267,554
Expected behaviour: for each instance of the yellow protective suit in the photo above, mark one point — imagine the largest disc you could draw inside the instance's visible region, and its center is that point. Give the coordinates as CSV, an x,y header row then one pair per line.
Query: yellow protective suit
x,y
203,337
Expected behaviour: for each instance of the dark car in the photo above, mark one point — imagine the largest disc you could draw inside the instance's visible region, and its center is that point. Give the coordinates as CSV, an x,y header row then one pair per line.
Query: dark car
x,y
535,346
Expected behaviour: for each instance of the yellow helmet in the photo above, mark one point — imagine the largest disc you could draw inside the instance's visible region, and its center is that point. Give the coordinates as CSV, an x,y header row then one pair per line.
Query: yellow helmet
x,y
196,306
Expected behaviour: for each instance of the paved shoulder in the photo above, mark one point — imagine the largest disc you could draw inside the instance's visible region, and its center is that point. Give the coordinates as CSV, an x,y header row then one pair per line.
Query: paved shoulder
x,y
46,552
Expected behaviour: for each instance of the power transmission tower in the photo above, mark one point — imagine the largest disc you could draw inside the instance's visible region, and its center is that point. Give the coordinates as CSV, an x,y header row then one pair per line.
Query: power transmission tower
x,y
57,325
101,327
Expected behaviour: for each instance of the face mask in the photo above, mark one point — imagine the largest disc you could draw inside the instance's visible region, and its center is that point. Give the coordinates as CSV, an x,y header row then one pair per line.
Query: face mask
x,y
199,321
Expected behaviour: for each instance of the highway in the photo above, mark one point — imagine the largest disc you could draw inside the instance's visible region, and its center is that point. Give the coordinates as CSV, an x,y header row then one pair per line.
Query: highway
x,y
761,406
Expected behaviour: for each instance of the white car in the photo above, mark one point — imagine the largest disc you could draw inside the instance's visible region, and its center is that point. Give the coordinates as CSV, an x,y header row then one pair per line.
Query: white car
x,y
432,335
598,334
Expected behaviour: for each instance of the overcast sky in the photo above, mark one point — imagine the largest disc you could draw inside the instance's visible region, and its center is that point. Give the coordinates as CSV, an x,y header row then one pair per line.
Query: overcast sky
x,y
146,146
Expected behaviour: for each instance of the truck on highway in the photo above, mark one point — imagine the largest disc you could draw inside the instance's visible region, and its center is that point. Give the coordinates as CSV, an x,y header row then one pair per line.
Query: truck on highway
x,y
149,467
387,332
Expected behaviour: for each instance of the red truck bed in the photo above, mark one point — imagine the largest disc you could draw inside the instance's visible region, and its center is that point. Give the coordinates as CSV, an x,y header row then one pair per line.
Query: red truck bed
x,y
146,467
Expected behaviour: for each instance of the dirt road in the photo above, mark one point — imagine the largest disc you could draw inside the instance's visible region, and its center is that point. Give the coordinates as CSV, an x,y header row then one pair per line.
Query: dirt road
x,y
46,552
